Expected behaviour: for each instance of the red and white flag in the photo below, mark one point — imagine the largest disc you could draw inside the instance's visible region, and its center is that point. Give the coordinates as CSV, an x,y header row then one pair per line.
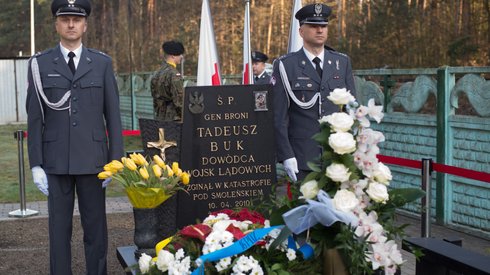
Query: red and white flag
x,y
295,41
208,66
247,59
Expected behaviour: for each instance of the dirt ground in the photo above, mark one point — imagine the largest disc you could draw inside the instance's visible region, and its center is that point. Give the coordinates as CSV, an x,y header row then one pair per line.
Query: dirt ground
x,y
24,244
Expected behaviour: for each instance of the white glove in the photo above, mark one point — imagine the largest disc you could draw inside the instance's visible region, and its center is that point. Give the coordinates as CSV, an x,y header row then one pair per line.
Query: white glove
x,y
291,167
106,182
40,179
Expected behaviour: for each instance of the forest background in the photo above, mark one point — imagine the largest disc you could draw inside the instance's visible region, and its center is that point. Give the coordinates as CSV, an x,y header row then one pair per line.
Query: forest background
x,y
375,33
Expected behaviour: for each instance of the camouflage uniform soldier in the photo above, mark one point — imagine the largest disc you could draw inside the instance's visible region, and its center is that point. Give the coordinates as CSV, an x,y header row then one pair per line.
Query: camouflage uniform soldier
x,y
167,86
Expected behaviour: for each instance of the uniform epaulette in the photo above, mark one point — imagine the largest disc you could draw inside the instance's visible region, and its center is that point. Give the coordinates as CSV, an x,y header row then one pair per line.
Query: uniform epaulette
x,y
339,53
98,52
43,52
333,51
285,56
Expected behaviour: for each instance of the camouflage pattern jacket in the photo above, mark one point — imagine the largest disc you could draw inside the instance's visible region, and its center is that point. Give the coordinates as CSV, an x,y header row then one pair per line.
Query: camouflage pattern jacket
x,y
167,90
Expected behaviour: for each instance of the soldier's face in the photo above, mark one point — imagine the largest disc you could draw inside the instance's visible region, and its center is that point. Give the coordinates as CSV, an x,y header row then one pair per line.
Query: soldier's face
x,y
258,67
71,28
314,35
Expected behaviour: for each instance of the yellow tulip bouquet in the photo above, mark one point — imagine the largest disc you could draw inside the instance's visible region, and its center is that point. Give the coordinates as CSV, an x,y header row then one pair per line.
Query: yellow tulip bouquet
x,y
147,184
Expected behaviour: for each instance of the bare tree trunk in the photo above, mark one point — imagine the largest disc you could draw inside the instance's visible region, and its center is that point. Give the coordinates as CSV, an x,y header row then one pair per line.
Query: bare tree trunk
x,y
269,32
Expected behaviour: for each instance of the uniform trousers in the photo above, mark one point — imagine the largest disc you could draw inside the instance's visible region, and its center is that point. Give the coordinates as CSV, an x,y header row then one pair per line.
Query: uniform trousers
x,y
91,204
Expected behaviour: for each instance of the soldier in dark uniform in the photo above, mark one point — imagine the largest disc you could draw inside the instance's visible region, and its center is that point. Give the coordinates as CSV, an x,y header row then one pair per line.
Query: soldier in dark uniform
x,y
302,81
167,87
72,105
258,67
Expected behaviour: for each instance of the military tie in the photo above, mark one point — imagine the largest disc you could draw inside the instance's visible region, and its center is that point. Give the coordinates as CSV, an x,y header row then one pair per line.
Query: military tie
x,y
256,79
71,63
318,68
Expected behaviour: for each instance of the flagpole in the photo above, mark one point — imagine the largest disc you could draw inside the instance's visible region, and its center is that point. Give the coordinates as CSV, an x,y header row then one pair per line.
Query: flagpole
x,y
247,40
295,41
33,40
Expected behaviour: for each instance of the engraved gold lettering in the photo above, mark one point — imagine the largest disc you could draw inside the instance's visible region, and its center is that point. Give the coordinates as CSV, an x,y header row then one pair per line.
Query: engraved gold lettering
x,y
228,159
237,194
235,130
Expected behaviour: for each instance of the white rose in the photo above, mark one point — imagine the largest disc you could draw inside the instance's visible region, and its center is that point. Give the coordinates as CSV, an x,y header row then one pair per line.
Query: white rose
x,y
144,263
382,174
340,122
345,201
340,96
309,189
338,172
342,143
378,192
164,259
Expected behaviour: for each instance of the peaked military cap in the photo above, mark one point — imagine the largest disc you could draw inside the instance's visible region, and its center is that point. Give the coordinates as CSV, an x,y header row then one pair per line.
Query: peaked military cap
x,y
173,48
259,57
316,14
71,7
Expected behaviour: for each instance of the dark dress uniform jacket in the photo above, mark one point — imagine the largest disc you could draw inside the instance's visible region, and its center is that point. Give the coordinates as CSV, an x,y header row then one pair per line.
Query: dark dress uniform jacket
x,y
294,126
265,78
74,142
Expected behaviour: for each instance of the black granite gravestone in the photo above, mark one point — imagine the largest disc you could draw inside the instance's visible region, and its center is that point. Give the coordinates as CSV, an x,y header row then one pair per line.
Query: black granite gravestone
x,y
153,142
228,148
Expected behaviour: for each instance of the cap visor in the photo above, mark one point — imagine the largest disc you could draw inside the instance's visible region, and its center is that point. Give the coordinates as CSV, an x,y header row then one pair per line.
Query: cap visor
x,y
71,13
314,22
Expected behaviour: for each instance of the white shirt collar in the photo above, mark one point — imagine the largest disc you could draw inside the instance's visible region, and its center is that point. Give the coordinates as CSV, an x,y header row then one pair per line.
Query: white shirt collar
x,y
78,53
261,74
310,56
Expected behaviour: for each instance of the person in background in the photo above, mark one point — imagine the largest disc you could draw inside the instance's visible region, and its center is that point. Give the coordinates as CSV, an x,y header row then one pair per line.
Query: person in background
x,y
74,128
167,87
258,67
302,81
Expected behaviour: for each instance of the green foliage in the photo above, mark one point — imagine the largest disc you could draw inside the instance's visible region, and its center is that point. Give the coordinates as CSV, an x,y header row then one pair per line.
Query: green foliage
x,y
353,251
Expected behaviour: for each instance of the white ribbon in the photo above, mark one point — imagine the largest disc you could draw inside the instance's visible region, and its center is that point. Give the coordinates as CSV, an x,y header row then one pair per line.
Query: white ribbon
x,y
287,88
40,91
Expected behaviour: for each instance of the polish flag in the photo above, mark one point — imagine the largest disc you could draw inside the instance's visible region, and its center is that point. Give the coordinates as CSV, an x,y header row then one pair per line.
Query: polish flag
x,y
295,41
247,59
207,67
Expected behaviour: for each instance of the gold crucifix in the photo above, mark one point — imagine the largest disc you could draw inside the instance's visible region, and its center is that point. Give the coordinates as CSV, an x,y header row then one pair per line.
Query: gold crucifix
x,y
161,144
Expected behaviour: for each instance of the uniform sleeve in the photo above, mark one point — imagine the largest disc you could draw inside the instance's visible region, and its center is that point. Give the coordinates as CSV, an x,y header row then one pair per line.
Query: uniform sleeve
x,y
349,78
177,91
112,114
281,117
34,123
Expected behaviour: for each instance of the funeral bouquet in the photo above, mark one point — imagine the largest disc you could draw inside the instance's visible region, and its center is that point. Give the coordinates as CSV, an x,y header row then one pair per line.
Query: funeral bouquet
x,y
147,184
226,242
345,203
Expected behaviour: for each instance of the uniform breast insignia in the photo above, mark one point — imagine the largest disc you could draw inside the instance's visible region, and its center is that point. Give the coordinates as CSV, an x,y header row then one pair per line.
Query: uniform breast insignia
x,y
337,64
309,85
273,81
296,85
329,62
196,102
